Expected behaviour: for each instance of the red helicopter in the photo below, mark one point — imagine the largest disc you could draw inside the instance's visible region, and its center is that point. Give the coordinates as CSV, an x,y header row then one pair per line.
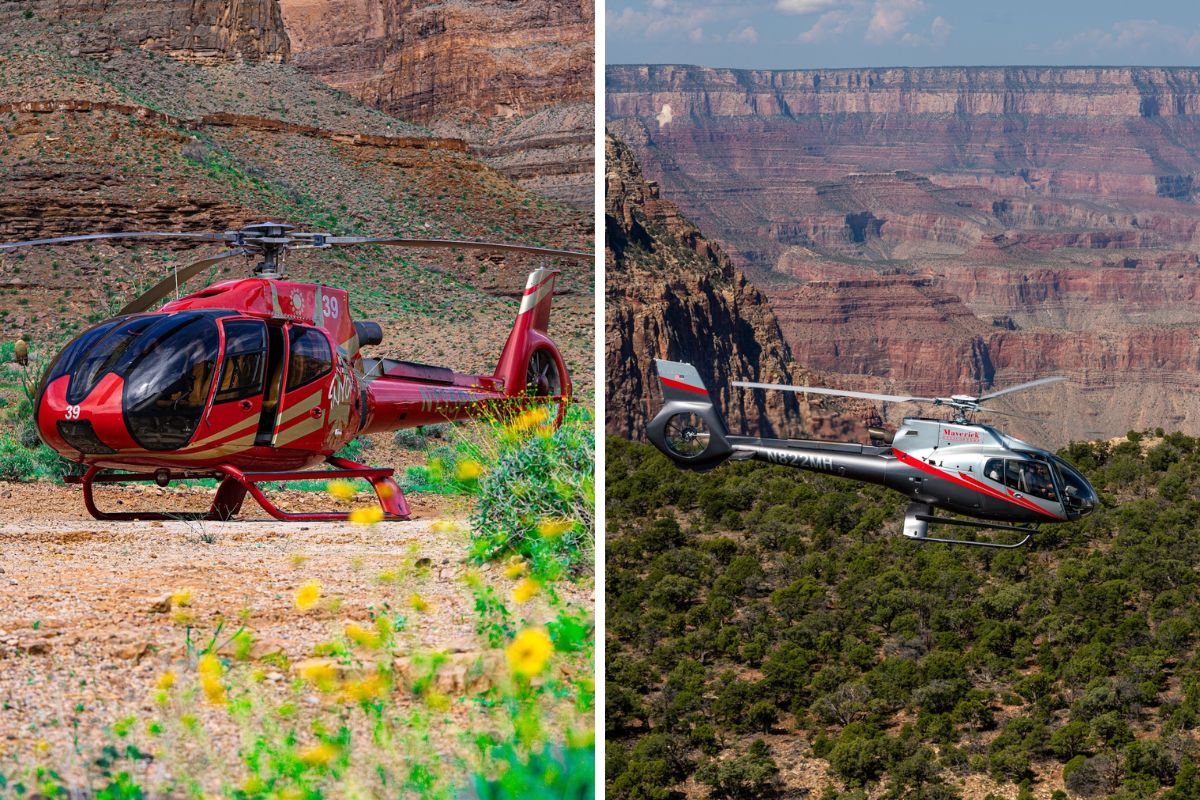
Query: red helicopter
x,y
259,379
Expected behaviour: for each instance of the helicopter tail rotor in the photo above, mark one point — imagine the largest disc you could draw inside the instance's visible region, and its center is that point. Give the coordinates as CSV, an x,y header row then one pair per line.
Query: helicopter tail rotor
x,y
688,429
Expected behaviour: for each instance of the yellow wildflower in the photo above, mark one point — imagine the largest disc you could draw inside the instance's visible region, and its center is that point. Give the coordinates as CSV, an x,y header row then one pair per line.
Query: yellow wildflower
x,y
181,597
417,602
320,672
342,490
551,528
363,637
384,490
468,470
529,652
209,664
183,617
213,690
530,418
166,680
515,568
319,754
444,526
42,746
369,688
524,591
308,595
437,701
367,515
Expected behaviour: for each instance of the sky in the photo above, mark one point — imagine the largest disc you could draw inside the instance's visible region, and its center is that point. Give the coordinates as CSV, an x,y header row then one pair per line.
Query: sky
x,y
807,34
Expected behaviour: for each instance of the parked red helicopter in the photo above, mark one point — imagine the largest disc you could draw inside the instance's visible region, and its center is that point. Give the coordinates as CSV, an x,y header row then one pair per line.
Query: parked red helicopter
x,y
259,379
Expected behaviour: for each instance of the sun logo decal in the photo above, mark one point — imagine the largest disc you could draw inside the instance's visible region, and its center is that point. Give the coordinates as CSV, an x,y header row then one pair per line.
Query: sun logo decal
x,y
297,301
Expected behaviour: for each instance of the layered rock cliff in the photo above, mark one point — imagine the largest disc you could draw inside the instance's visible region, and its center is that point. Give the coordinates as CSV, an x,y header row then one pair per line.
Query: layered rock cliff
x,y
513,78
953,229
670,293
129,139
206,31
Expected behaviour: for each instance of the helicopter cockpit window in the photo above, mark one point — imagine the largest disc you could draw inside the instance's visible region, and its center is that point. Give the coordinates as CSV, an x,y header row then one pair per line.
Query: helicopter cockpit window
x,y
1029,477
309,356
245,354
169,375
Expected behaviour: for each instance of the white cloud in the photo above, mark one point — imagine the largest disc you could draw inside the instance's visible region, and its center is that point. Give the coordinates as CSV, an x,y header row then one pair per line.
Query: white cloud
x,y
806,6
830,25
672,18
747,35
890,18
1132,37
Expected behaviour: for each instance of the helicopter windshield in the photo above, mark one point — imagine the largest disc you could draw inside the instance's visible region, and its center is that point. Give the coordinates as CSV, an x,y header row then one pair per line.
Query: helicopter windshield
x,y
167,362
1081,498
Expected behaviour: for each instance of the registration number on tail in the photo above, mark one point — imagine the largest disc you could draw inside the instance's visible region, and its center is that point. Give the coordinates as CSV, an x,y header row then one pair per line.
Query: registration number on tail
x,y
802,460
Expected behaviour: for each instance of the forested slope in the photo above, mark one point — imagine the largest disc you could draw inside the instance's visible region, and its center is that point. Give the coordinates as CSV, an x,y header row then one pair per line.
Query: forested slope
x,y
771,634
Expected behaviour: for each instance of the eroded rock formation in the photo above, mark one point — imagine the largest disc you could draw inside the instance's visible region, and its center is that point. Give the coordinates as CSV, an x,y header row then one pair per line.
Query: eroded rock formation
x,y
206,31
950,229
513,78
670,293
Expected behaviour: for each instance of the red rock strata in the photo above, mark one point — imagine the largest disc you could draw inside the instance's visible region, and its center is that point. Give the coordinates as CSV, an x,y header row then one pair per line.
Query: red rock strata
x,y
947,229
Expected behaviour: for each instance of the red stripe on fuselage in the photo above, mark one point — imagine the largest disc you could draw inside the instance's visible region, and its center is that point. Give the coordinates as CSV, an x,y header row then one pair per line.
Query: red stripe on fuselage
x,y
970,483
674,384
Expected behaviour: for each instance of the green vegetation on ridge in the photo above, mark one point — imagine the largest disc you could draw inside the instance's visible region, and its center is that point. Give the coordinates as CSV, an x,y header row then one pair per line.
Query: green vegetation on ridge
x,y
758,615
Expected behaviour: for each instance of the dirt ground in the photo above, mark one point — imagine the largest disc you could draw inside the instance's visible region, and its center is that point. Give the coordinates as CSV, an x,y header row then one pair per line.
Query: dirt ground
x,y
85,632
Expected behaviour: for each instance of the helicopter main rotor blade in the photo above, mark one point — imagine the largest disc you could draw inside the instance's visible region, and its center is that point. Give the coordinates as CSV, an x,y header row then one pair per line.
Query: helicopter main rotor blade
x,y
983,410
459,244
206,236
1020,387
884,398
167,285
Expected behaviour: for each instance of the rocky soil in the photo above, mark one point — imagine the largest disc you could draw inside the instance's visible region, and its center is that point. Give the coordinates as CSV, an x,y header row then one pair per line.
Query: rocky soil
x,y
947,230
86,629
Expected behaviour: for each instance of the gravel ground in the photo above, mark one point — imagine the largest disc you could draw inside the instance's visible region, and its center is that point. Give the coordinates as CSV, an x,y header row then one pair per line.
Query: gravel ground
x,y
85,631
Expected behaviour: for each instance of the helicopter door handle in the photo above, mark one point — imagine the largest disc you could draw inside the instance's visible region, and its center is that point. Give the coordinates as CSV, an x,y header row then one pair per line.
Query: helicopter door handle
x,y
247,405
316,412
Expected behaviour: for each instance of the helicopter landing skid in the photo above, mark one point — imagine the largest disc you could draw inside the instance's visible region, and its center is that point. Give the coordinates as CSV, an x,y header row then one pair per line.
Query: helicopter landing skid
x,y
236,484
917,519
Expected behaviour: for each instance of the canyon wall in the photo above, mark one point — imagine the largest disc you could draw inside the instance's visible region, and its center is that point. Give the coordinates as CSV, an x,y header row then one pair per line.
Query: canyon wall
x,y
515,79
670,293
957,229
204,31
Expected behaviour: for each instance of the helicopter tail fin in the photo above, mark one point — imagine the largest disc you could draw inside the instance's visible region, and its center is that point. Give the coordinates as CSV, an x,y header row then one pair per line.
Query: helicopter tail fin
x,y
530,361
689,429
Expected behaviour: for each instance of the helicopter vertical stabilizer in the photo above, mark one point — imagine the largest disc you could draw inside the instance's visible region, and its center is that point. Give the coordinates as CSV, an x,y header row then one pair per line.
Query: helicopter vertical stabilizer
x,y
530,362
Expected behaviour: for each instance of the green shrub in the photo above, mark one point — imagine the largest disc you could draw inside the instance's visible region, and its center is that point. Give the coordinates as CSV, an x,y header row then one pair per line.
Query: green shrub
x,y
554,774
535,499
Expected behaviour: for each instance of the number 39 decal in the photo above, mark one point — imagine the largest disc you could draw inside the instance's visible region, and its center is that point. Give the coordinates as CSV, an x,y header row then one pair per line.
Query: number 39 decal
x,y
329,306
72,412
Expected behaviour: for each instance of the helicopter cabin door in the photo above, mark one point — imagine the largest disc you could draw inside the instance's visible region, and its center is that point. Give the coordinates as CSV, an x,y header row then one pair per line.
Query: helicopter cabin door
x,y
303,412
232,420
